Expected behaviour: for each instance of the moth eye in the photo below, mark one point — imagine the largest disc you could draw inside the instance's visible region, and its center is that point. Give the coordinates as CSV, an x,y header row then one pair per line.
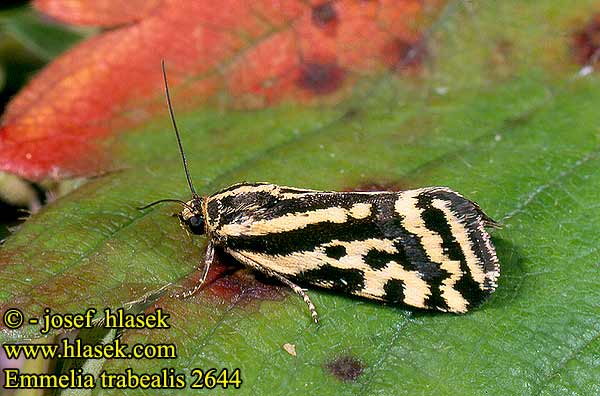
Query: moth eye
x,y
196,224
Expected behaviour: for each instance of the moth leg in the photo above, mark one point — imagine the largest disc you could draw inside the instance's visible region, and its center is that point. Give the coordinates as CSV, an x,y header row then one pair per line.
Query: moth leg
x,y
208,260
299,291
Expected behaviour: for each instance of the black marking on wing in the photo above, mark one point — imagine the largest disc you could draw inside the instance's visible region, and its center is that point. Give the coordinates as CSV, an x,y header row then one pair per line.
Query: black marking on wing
x,y
410,254
471,215
394,291
335,252
343,280
313,201
235,207
436,221
377,259
294,190
307,238
213,210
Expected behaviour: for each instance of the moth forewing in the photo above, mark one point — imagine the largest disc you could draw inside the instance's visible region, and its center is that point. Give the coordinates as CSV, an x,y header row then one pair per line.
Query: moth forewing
x,y
425,248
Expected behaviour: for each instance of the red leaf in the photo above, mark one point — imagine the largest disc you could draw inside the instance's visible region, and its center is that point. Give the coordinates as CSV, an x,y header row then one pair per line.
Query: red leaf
x,y
257,52
98,12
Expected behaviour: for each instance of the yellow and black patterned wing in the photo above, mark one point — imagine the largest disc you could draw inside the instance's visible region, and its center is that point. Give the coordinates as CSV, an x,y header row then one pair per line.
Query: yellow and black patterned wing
x,y
426,248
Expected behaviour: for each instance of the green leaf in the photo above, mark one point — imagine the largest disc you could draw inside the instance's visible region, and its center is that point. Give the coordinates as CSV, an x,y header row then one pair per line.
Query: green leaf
x,y
501,116
44,39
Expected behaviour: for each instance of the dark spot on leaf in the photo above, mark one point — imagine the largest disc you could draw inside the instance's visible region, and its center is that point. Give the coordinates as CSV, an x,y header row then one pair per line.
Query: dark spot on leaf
x,y
346,368
351,113
402,54
586,43
321,78
377,186
501,58
228,281
324,14
519,120
243,287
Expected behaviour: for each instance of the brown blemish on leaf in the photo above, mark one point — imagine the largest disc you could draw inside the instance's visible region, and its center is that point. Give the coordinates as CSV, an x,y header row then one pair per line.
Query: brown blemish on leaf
x,y
243,287
228,281
321,78
377,186
500,59
346,368
404,55
324,14
586,42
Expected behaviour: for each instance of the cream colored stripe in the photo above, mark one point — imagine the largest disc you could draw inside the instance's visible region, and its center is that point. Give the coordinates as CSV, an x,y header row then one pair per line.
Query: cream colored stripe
x,y
274,189
295,221
492,276
291,264
360,210
298,192
406,206
416,290
461,236
246,189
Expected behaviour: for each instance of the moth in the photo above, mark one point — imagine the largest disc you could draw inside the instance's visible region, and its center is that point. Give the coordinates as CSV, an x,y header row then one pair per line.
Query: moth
x,y
426,248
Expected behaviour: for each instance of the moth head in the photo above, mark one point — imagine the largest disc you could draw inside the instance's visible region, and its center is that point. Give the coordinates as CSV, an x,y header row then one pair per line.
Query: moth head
x,y
193,217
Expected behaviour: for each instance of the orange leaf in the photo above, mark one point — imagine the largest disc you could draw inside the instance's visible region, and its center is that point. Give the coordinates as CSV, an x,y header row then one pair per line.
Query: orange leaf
x,y
257,53
98,12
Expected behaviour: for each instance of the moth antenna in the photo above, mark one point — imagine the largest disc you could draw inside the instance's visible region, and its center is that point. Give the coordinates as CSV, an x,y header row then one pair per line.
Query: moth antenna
x,y
179,201
172,114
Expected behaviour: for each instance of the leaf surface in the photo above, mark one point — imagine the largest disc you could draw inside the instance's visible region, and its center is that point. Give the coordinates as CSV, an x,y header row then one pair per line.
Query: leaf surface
x,y
501,114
